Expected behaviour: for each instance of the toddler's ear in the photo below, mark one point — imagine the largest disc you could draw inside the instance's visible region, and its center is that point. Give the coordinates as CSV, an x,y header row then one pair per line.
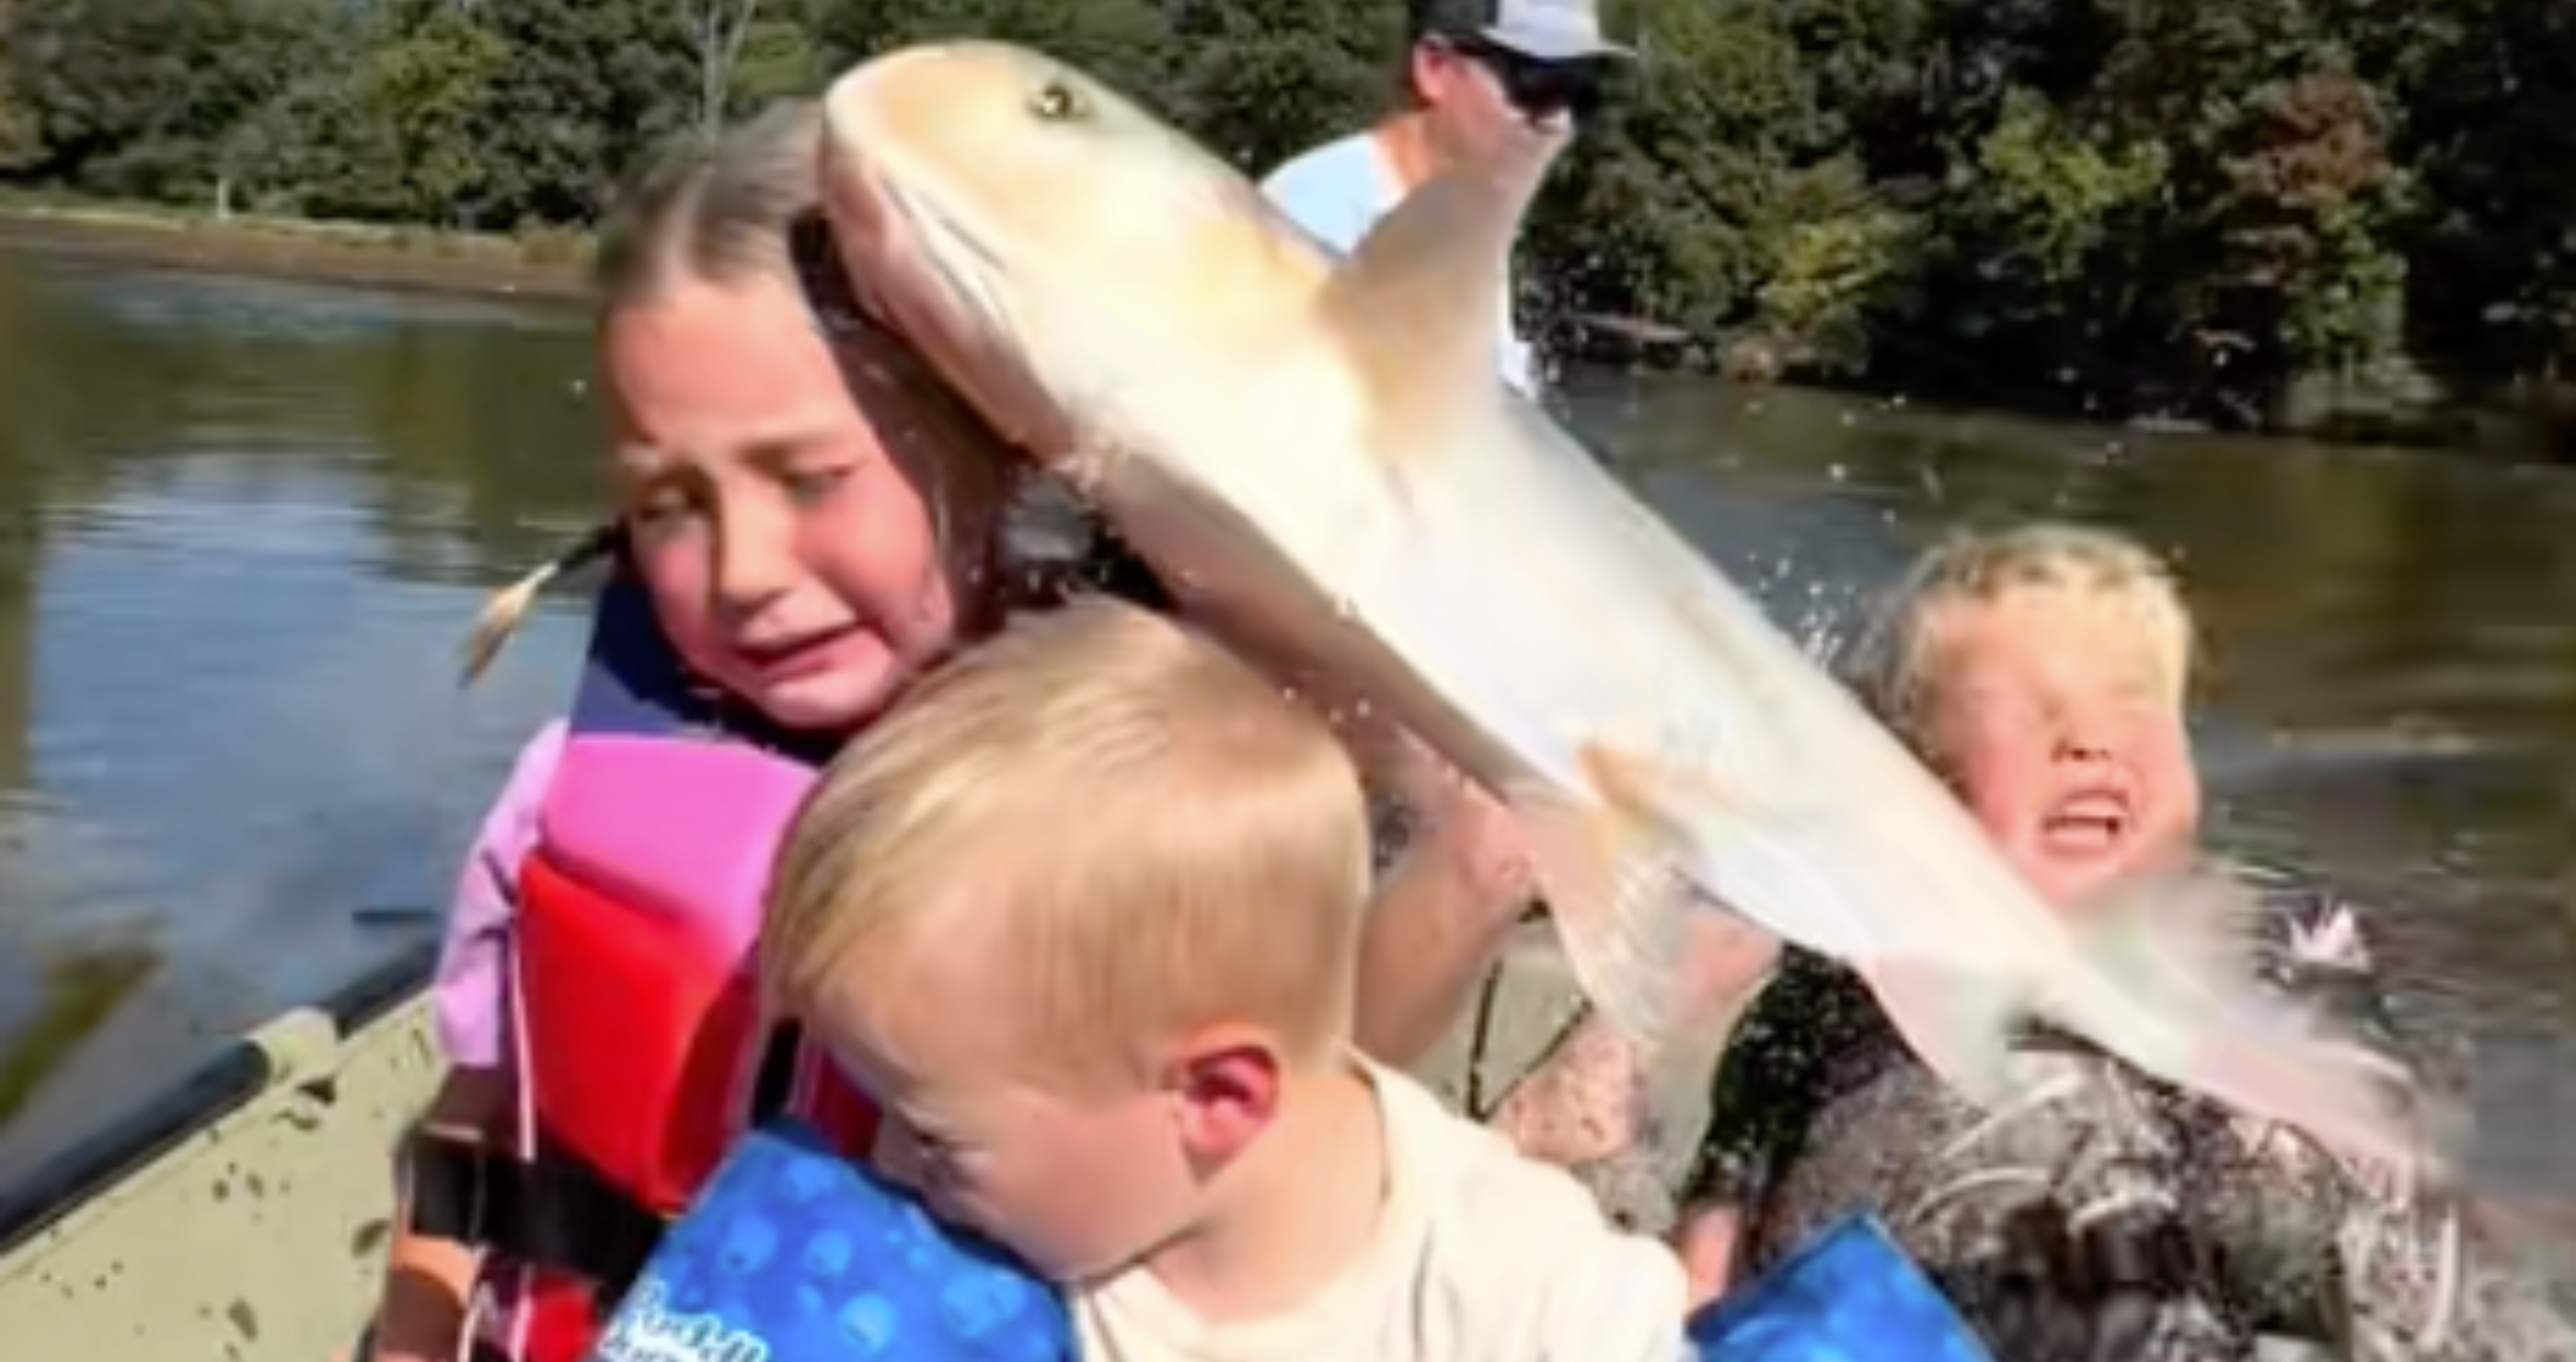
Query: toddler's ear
x,y
1224,1087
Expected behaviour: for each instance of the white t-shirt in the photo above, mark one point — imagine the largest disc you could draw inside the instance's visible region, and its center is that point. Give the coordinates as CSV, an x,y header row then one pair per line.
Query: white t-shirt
x,y
1339,190
1481,1255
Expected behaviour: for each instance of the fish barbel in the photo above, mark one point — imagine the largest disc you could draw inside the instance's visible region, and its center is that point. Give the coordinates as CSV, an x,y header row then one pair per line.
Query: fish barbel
x,y
1318,448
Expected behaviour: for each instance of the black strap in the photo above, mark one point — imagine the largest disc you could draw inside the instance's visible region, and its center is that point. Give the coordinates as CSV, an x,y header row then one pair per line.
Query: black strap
x,y
555,1211
552,1212
446,1187
775,1084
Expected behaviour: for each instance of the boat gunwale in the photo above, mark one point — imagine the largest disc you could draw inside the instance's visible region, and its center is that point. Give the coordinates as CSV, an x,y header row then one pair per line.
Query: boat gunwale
x,y
237,1075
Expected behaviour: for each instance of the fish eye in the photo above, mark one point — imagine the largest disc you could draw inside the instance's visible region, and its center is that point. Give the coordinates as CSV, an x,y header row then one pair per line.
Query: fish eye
x,y
1057,102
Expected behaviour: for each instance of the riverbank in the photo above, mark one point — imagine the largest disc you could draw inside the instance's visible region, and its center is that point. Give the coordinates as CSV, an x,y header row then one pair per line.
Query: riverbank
x,y
545,265
2527,424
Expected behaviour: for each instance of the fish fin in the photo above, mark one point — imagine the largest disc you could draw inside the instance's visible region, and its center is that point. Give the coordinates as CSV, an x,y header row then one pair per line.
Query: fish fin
x,y
1958,1023
1421,297
2533,1235
1620,910
2192,927
2165,978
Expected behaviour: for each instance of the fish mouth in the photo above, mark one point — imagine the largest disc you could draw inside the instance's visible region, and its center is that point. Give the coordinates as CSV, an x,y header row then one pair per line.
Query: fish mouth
x,y
963,264
937,285
910,236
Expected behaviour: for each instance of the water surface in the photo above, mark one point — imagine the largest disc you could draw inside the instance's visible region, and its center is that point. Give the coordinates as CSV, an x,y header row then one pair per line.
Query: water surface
x,y
244,523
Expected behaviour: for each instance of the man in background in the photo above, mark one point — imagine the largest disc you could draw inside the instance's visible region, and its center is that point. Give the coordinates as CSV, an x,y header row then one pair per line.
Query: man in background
x,y
1565,1086
1475,71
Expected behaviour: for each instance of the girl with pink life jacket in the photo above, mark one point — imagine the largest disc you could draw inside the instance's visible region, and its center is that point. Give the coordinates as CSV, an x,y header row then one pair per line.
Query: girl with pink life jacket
x,y
806,521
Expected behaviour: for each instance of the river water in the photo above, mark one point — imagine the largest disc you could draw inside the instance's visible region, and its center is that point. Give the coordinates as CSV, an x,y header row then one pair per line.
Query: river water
x,y
243,525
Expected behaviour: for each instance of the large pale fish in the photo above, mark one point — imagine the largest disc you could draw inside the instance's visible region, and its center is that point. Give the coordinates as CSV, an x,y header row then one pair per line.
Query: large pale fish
x,y
1318,448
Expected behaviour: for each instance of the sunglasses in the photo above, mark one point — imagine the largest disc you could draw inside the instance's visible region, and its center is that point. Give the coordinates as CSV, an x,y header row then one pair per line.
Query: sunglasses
x,y
1536,88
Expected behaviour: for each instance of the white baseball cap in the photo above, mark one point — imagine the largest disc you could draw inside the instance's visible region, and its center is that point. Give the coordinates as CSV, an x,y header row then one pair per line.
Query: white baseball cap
x,y
1541,30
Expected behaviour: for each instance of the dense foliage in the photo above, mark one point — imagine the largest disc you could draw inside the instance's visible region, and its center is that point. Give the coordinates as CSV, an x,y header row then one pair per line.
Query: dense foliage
x,y
2204,208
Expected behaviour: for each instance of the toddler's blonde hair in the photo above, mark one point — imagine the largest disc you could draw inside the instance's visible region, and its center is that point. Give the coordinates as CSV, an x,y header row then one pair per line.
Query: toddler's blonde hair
x,y
1136,834
1892,662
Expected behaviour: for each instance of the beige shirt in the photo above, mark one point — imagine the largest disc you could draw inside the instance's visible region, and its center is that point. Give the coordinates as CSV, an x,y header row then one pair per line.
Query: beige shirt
x,y
1481,1255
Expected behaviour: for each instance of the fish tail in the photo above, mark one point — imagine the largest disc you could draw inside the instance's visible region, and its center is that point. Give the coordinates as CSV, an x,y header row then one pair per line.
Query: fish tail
x,y
503,611
2163,976
1627,951
1960,1023
1621,913
2166,981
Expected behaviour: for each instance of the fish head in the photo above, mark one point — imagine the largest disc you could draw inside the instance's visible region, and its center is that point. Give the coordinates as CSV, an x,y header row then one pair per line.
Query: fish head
x,y
1052,247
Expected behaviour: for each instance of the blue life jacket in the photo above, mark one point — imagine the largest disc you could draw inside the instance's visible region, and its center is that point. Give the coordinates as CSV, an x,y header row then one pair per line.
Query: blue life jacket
x,y
1847,1295
794,1254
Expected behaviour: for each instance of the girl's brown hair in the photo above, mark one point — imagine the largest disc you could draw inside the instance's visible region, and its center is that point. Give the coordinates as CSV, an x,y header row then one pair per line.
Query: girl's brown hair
x,y
747,204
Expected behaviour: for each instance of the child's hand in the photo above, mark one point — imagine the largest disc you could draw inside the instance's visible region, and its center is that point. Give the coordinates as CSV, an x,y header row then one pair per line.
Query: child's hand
x,y
1706,1239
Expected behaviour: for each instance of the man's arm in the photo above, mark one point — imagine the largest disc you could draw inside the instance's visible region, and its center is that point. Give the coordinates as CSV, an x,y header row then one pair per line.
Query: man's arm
x,y
1444,911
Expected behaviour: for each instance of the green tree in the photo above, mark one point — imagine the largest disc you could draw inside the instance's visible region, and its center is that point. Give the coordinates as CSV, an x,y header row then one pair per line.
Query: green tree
x,y
413,143
2267,261
2489,124
588,87
133,97
1268,79
21,142
2020,283
1681,205
2194,206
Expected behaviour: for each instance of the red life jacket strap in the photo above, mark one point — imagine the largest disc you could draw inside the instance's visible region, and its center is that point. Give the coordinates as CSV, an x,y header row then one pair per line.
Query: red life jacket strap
x,y
563,1321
